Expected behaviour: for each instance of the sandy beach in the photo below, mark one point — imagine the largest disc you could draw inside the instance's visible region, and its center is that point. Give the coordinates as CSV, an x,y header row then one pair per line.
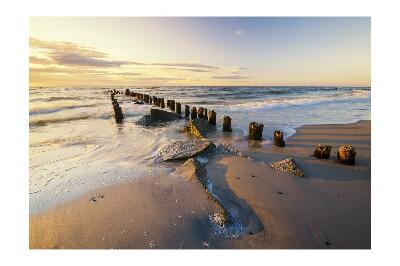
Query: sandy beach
x,y
330,207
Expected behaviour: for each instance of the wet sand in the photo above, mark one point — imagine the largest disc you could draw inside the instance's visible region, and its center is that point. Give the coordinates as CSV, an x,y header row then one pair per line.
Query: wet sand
x,y
328,208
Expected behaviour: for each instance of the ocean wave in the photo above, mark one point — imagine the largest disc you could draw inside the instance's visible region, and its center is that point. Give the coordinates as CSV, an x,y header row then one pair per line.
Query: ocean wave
x,y
45,108
284,102
46,121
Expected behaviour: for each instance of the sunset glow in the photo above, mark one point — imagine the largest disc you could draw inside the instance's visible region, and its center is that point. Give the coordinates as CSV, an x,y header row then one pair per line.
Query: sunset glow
x,y
107,51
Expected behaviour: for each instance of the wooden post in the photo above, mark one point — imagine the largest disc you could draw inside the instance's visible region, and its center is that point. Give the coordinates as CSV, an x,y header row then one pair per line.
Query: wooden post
x,y
226,126
205,114
172,105
200,112
117,112
212,118
255,131
322,152
112,97
162,104
194,113
278,139
178,108
347,155
187,110
127,92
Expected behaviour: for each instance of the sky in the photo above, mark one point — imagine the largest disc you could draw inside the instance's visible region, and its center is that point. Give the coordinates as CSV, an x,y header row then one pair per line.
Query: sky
x,y
202,51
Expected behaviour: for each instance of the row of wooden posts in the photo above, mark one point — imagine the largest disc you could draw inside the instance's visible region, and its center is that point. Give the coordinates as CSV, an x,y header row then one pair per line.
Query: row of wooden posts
x,y
255,129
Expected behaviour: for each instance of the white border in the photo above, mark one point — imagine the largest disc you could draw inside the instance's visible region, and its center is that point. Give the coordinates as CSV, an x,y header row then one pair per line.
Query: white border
x,y
15,131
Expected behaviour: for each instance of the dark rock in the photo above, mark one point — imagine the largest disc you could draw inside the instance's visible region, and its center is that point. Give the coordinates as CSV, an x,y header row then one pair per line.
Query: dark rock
x,y
278,139
137,102
180,149
157,117
226,126
322,152
255,131
347,155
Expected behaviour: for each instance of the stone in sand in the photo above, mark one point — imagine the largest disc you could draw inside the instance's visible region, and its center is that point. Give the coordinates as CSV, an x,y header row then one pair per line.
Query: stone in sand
x,y
322,152
287,166
347,155
198,127
180,149
226,126
278,139
255,131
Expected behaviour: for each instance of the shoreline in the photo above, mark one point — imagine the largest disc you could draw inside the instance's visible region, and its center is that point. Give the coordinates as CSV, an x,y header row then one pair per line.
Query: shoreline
x,y
175,213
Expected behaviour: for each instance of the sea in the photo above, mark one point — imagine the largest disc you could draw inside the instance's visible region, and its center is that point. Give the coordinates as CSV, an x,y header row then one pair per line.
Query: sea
x,y
76,146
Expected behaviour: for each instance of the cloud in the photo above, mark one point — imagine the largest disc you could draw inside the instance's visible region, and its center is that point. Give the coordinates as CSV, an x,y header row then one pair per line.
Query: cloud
x,y
240,32
185,65
230,77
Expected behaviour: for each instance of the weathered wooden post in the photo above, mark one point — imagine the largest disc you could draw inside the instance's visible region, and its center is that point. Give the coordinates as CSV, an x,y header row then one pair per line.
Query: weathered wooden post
x,y
200,112
172,105
212,118
194,113
162,103
117,112
187,110
112,97
278,139
255,131
127,92
154,100
178,108
347,155
226,126
205,114
322,152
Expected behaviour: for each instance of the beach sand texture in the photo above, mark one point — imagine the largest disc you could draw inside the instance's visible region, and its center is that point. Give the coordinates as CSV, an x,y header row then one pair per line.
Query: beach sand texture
x,y
330,207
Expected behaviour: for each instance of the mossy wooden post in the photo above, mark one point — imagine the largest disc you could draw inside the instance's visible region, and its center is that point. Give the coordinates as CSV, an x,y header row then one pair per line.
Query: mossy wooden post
x,y
194,113
205,114
255,131
162,104
172,105
178,108
226,126
347,155
212,118
322,152
187,110
200,112
278,139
